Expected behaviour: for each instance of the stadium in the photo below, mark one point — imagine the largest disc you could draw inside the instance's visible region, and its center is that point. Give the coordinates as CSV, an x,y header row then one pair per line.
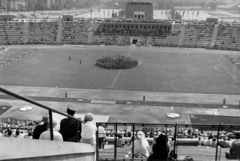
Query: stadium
x,y
172,72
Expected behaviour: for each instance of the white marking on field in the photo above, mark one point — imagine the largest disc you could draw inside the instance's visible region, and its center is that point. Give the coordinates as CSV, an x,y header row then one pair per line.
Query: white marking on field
x,y
228,71
6,111
23,63
216,67
118,74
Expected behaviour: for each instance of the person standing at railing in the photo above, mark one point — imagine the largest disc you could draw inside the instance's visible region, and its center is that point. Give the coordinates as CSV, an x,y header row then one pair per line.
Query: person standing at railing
x,y
101,136
68,127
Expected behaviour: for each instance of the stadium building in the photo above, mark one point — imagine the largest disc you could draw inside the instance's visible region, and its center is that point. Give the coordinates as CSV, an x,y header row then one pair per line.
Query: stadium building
x,y
139,10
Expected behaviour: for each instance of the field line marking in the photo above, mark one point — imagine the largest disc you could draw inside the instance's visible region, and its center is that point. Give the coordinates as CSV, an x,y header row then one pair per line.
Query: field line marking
x,y
116,78
129,54
6,112
228,71
25,63
118,74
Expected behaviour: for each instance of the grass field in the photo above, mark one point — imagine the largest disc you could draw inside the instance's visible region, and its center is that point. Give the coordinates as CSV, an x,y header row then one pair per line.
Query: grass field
x,y
159,69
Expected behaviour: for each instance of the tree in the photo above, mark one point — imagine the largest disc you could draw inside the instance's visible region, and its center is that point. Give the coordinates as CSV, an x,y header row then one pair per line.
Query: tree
x,y
203,5
213,5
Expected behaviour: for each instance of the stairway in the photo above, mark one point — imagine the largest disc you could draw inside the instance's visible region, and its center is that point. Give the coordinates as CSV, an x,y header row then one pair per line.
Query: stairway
x,y
214,36
59,32
180,43
90,37
26,33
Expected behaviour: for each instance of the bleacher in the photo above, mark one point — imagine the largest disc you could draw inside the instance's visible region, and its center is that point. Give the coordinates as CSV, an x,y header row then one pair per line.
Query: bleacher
x,y
76,32
224,35
190,36
205,35
90,32
235,38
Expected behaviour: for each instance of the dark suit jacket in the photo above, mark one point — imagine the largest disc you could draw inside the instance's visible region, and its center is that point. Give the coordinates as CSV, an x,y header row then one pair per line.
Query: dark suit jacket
x,y
38,130
68,129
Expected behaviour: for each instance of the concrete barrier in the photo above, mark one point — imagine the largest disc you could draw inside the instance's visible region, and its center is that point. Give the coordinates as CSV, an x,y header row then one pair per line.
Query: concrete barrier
x,y
34,150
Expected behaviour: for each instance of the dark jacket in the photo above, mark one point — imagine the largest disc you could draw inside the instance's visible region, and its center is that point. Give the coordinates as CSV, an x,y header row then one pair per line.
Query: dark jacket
x,y
68,129
39,130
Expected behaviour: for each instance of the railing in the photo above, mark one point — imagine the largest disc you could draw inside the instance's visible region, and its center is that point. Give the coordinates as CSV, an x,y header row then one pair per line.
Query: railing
x,y
50,110
187,145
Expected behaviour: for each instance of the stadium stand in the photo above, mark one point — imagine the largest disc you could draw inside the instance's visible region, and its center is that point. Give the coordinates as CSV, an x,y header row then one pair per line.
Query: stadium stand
x,y
205,35
191,34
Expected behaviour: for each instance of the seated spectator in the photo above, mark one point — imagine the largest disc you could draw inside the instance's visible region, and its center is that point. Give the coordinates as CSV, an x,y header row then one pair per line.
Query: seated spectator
x,y
56,135
88,130
17,134
40,128
214,142
236,148
225,143
120,141
28,136
68,126
234,152
9,133
141,147
209,142
203,141
161,149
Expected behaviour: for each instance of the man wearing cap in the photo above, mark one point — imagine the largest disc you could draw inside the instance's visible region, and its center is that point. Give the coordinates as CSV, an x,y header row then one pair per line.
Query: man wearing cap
x,y
56,135
40,128
68,127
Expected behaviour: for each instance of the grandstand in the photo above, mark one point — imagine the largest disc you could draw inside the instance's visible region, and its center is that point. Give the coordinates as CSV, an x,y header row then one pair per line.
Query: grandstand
x,y
112,33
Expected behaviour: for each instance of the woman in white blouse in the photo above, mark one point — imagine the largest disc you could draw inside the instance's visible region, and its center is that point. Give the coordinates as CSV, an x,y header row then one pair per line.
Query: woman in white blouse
x,y
88,134
141,146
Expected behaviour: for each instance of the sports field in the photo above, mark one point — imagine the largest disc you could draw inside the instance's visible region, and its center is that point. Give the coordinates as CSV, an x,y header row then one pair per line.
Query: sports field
x,y
159,69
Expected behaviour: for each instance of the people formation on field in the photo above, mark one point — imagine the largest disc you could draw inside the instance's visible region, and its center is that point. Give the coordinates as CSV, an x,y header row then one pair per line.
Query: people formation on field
x,y
116,62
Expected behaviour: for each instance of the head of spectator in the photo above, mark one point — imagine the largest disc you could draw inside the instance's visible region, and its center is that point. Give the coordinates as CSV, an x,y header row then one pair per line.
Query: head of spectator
x,y
70,110
160,149
236,148
17,133
88,117
45,119
9,133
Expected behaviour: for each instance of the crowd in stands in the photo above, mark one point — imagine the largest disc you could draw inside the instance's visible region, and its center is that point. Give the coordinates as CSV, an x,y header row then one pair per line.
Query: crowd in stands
x,y
77,32
40,32
132,32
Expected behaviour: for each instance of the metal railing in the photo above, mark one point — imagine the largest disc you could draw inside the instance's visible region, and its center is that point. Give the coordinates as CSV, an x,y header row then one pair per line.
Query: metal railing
x,y
180,146
50,110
